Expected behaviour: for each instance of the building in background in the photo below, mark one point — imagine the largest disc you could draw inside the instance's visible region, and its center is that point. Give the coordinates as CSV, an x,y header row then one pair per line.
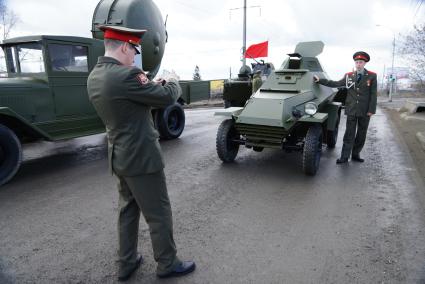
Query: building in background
x,y
400,77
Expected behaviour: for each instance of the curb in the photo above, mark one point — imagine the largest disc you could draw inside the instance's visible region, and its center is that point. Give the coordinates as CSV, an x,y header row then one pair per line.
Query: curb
x,y
421,138
412,106
218,103
407,117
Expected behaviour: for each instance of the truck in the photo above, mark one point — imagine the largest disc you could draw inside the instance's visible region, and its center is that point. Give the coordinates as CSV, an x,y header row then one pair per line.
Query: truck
x,y
43,89
237,91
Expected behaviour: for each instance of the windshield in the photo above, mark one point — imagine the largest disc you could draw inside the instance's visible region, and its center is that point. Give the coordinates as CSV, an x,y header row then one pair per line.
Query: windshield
x,y
3,69
25,58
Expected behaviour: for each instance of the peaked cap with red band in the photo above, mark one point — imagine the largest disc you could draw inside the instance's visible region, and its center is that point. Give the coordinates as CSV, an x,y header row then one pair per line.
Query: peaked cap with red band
x,y
124,34
361,55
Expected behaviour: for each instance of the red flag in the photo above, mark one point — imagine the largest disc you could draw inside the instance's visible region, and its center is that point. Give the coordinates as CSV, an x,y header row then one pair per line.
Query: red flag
x,y
257,50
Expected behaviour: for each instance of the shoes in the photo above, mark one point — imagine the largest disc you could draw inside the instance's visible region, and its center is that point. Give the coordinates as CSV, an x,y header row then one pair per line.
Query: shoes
x,y
125,273
342,161
357,158
184,268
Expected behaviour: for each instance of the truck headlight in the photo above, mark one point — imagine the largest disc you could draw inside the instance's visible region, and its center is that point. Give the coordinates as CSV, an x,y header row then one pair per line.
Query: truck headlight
x,y
310,108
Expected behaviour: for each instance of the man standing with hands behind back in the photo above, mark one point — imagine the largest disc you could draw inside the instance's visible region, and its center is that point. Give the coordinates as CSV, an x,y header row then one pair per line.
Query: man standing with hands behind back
x,y
123,96
360,105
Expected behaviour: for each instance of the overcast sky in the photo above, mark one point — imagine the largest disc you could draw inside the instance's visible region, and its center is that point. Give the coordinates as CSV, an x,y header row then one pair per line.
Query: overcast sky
x,y
209,33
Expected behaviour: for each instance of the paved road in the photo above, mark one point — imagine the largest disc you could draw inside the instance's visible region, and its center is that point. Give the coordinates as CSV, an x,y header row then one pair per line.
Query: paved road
x,y
259,220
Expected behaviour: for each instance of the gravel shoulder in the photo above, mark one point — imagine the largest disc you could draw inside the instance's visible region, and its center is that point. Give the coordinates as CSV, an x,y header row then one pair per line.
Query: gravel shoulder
x,y
409,129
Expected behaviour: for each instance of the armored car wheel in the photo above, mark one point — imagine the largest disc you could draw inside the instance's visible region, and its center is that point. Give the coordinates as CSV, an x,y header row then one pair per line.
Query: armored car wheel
x,y
227,148
332,135
10,154
312,149
170,121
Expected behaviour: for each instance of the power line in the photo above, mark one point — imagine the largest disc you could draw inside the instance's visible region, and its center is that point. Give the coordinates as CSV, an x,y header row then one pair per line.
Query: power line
x,y
208,51
194,8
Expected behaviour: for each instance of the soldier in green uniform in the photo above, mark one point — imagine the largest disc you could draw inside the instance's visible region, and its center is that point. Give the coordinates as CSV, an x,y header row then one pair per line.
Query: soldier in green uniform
x,y
360,105
123,96
256,81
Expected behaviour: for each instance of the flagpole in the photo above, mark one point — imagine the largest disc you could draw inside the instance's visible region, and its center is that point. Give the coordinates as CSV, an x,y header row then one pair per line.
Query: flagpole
x,y
244,35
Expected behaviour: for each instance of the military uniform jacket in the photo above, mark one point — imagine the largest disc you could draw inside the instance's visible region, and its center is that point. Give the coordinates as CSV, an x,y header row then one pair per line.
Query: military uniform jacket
x,y
361,97
123,97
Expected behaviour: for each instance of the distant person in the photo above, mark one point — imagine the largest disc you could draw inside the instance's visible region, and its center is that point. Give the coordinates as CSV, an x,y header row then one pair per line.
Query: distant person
x,y
123,96
360,105
256,81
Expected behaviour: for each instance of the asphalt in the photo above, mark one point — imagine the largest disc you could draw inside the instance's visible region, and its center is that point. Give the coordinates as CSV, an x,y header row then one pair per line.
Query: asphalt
x,y
258,220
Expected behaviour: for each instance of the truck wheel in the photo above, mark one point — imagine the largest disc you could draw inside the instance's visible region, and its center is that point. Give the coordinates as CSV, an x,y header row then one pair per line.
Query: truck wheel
x,y
170,121
227,149
332,135
10,154
312,150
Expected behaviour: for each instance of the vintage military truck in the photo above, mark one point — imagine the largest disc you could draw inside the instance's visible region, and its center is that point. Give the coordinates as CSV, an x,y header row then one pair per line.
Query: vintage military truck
x,y
288,112
43,93
237,91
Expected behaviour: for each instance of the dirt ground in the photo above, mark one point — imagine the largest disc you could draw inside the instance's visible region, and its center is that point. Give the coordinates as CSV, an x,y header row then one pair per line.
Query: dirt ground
x,y
257,220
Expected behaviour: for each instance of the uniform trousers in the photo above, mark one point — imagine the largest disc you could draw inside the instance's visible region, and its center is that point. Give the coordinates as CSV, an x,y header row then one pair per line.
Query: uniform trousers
x,y
355,135
146,193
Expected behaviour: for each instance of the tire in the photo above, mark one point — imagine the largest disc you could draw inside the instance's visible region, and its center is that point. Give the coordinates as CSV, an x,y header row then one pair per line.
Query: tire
x,y
332,135
227,150
312,150
10,154
170,121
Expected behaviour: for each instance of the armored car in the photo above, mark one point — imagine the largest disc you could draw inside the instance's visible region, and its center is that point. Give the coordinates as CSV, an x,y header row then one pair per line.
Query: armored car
x,y
289,112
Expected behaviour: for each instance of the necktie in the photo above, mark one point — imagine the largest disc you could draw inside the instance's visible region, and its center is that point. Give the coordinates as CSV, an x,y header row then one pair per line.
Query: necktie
x,y
359,77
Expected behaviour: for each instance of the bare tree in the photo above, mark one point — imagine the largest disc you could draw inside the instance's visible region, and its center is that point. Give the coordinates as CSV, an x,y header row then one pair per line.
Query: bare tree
x,y
8,19
196,74
412,48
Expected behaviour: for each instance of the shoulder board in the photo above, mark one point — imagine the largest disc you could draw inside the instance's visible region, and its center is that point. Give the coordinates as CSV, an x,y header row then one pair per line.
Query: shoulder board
x,y
349,73
371,72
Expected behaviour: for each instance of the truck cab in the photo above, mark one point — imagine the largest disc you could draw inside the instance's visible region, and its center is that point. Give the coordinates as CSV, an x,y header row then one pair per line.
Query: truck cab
x,y
43,93
43,87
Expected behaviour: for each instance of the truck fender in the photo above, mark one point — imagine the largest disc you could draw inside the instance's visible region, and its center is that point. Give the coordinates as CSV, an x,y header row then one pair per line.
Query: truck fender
x,y
20,125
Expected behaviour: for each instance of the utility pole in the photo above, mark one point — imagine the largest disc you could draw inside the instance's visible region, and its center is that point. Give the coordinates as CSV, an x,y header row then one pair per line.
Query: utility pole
x,y
382,81
392,71
392,76
244,29
244,34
